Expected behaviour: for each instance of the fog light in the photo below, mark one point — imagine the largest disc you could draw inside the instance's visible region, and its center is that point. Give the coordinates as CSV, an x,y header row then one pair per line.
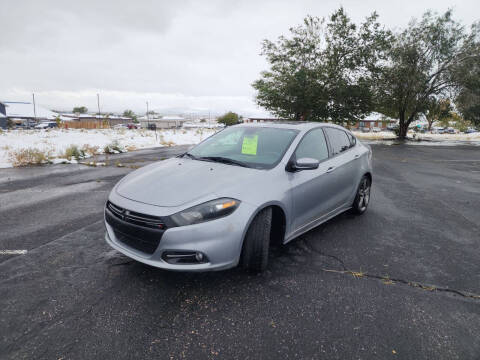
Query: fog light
x,y
199,257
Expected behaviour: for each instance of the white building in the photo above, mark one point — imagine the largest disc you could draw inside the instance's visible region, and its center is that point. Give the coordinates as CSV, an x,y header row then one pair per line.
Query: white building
x,y
21,111
161,122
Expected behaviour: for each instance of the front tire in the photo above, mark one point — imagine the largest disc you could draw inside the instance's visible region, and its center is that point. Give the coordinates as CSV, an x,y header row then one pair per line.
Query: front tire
x,y
257,241
362,199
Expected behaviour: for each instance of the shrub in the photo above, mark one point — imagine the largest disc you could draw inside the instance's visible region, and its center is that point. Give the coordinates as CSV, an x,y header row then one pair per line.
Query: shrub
x,y
230,118
113,148
74,152
29,156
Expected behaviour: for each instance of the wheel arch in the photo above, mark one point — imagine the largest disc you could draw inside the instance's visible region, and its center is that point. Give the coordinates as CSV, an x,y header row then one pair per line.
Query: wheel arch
x,y
369,175
279,218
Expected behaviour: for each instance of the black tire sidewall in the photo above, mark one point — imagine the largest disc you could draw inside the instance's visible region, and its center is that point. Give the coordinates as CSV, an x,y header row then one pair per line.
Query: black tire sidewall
x,y
254,257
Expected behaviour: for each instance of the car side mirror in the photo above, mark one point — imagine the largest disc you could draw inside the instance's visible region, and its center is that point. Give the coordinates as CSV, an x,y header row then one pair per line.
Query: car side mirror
x,y
305,164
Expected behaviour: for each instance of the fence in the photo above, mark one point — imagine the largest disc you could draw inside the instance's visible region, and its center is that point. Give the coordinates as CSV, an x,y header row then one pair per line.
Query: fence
x,y
90,124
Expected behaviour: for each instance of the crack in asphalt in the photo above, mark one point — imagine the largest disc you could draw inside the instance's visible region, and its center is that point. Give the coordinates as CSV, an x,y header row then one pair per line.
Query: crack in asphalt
x,y
386,279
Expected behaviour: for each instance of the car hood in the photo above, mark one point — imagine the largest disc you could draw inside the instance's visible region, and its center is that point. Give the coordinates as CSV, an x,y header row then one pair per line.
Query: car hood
x,y
179,181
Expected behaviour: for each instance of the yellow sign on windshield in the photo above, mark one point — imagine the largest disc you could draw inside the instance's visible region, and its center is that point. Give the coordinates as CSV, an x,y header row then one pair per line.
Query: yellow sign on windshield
x,y
249,146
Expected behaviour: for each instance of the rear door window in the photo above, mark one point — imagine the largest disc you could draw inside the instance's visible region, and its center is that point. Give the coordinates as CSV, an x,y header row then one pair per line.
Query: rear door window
x,y
338,139
313,145
352,139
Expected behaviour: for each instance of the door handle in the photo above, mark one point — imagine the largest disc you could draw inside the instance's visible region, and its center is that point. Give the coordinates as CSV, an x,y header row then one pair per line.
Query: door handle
x,y
357,156
330,169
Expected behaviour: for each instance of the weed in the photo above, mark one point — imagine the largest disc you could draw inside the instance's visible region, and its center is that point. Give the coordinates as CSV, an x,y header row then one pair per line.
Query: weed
x,y
113,148
91,150
387,281
74,152
357,274
166,143
29,156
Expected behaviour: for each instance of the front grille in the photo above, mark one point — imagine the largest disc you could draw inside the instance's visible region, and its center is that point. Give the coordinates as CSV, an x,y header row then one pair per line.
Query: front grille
x,y
138,231
150,221
136,243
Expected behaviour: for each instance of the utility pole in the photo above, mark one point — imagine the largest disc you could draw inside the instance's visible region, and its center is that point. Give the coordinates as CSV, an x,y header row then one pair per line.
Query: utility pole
x,y
148,120
34,108
98,104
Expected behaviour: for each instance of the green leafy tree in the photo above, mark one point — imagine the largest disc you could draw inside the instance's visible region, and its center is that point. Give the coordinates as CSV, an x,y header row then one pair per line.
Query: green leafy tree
x,y
422,63
437,110
130,114
80,110
323,70
459,122
230,118
58,120
468,75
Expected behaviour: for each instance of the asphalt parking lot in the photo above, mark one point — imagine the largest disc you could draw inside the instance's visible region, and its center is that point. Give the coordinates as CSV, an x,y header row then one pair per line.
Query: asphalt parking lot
x,y
400,282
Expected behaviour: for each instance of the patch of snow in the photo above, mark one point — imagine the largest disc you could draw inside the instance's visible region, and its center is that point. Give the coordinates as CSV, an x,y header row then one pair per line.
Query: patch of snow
x,y
56,141
389,138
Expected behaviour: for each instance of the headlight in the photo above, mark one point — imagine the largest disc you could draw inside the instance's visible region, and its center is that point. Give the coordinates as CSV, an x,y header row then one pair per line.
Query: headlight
x,y
204,212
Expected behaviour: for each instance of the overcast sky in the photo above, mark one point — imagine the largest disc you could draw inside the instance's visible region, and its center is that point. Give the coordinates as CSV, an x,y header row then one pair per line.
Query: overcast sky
x,y
175,54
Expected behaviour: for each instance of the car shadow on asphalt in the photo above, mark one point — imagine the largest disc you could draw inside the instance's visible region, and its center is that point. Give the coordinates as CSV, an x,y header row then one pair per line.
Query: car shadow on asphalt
x,y
301,255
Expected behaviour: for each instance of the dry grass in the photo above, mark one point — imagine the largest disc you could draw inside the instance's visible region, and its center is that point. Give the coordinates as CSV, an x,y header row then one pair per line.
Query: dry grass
x,y
29,156
167,143
91,150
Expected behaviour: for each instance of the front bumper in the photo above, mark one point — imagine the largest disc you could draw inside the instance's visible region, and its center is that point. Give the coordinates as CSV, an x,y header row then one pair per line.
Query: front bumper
x,y
220,240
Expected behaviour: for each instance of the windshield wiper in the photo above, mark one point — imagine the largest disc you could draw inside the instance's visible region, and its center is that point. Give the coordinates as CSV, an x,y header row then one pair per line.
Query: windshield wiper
x,y
223,160
191,156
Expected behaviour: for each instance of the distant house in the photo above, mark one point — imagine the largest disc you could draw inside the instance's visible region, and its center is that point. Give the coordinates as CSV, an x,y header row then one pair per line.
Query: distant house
x,y
370,121
162,122
22,112
374,120
261,120
112,120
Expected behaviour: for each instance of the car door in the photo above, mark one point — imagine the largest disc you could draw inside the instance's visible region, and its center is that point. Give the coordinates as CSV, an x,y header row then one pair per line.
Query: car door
x,y
344,165
313,191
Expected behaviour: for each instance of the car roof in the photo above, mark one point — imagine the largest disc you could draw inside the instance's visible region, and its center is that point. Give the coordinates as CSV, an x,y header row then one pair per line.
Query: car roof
x,y
297,125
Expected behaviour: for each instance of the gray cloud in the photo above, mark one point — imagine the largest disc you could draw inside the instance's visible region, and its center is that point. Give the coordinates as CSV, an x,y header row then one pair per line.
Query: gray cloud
x,y
182,53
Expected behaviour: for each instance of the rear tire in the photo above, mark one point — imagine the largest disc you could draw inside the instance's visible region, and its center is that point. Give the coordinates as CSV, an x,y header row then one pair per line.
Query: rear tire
x,y
254,257
362,199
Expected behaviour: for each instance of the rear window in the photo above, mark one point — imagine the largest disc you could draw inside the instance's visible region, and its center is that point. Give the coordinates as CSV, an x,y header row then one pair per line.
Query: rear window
x,y
352,139
339,141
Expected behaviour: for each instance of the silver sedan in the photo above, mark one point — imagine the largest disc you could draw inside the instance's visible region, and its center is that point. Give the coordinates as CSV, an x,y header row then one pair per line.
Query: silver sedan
x,y
225,201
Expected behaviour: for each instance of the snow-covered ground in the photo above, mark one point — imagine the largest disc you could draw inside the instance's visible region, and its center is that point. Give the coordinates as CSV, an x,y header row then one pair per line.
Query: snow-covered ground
x,y
389,135
54,142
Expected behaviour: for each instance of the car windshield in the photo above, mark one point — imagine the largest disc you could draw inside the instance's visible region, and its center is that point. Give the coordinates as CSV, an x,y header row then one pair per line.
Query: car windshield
x,y
256,147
